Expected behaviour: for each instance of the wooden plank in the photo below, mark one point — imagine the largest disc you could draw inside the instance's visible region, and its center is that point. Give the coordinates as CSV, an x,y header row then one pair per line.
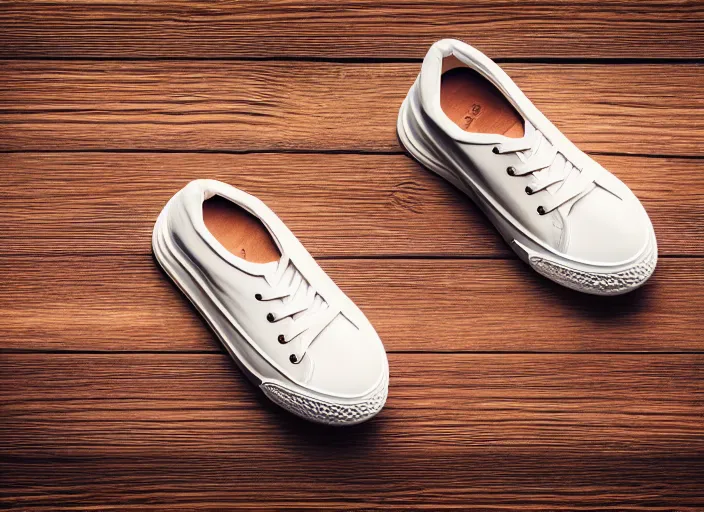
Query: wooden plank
x,y
339,205
372,29
511,432
125,303
246,106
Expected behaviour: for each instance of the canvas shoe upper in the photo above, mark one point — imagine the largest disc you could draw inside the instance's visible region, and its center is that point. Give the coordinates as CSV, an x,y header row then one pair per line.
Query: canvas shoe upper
x,y
562,212
285,322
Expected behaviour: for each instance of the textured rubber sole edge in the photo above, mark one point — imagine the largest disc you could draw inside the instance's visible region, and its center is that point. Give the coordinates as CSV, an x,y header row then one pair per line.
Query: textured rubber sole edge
x,y
614,283
304,406
326,412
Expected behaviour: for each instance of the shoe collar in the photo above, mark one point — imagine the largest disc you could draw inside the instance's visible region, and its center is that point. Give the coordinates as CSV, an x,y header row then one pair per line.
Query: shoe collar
x,y
197,192
429,92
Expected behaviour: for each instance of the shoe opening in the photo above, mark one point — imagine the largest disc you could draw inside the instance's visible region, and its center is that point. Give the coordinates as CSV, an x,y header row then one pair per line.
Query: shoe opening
x,y
474,104
240,232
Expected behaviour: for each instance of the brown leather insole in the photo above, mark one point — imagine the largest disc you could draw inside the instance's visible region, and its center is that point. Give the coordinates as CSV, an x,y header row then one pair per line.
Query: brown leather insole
x,y
239,231
475,105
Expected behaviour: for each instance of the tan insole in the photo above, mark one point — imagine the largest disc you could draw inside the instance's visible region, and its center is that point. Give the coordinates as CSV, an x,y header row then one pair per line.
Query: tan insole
x,y
239,231
475,105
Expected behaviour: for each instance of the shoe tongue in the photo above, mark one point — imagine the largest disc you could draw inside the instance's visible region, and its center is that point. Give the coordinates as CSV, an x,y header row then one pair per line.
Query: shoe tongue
x,y
561,166
301,291
528,129
558,165
318,305
269,269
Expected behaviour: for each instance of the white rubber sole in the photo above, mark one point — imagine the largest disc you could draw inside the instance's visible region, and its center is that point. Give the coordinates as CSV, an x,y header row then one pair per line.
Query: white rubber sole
x,y
580,276
294,398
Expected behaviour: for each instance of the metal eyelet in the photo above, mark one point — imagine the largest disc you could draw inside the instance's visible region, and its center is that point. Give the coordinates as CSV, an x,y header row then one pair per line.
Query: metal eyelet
x,y
511,171
270,317
495,150
282,339
529,191
293,358
541,210
258,296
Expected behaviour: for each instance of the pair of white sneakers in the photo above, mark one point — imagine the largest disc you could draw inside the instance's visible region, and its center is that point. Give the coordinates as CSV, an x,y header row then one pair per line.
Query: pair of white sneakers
x,y
300,338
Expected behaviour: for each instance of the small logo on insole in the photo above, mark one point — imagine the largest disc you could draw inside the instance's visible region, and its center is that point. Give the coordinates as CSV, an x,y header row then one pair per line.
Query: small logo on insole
x,y
471,115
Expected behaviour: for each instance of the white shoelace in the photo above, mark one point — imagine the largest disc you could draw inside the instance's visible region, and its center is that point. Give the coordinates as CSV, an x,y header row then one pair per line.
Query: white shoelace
x,y
309,312
548,167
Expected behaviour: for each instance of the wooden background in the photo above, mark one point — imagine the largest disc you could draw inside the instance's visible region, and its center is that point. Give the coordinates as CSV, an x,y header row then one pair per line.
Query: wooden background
x,y
507,392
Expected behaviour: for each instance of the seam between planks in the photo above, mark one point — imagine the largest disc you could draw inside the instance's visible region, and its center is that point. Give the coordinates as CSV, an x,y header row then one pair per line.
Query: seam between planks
x,y
362,152
220,352
361,60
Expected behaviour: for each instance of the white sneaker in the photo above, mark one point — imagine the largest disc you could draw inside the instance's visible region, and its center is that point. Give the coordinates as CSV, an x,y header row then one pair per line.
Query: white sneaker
x,y
560,211
283,320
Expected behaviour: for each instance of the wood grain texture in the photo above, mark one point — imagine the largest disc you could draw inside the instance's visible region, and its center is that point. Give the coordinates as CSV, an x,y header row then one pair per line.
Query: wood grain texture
x,y
507,392
372,29
338,205
89,429
126,304
246,106
463,432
